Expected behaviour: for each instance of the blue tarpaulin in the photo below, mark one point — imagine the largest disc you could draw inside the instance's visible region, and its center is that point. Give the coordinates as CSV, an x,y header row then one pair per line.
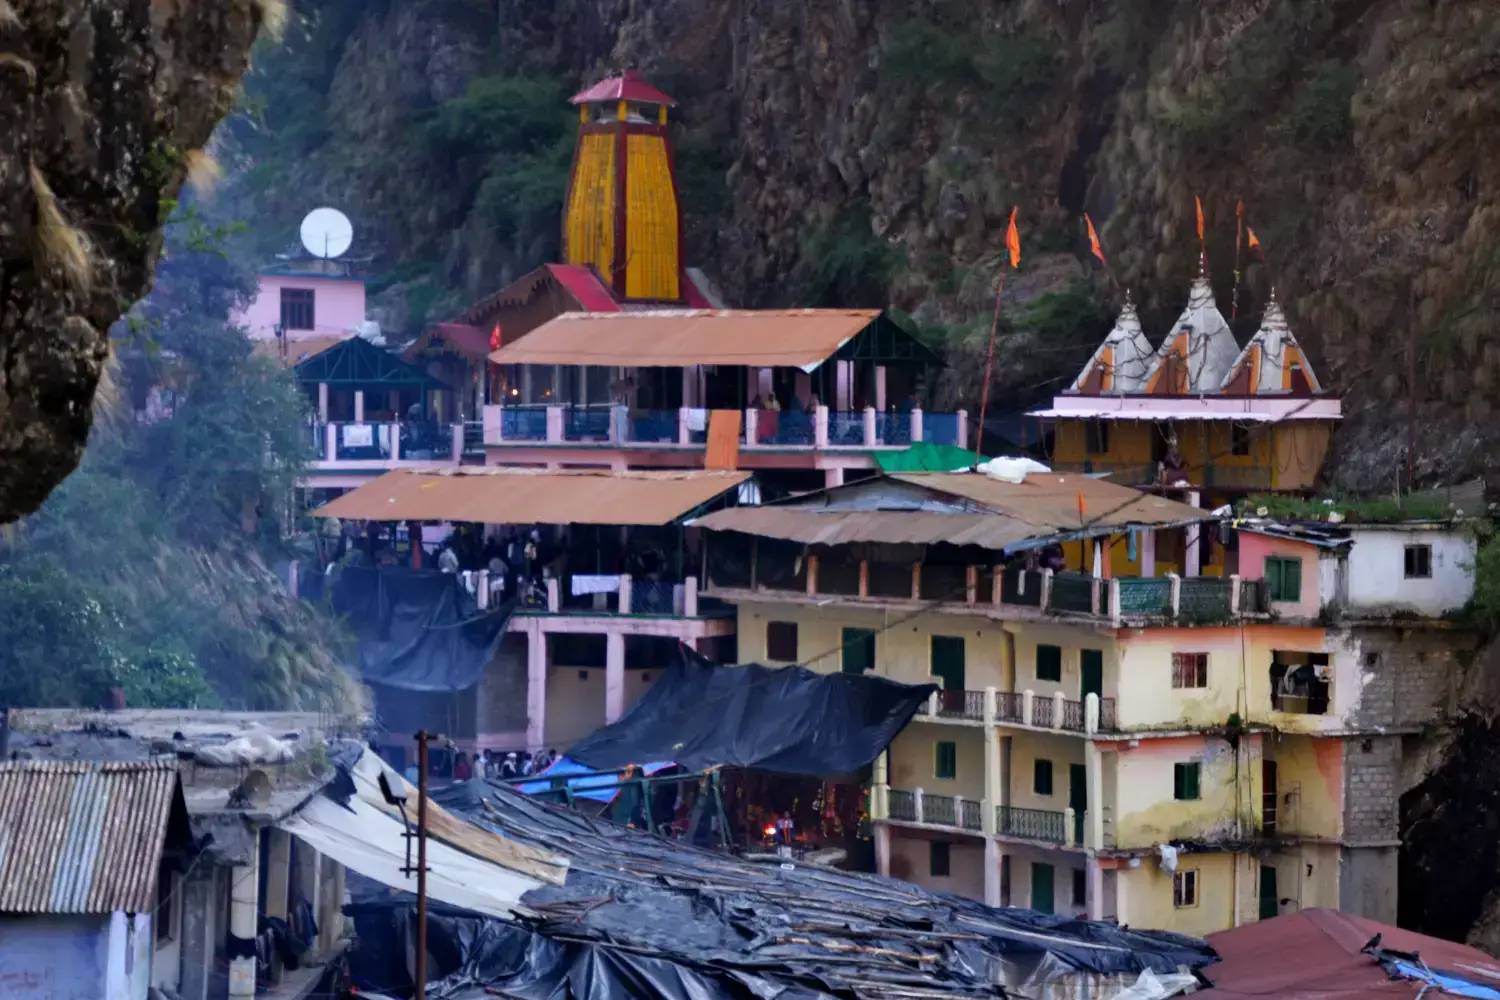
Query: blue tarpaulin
x,y
587,785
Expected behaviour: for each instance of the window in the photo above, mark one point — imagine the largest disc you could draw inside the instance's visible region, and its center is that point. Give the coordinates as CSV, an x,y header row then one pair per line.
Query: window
x,y
1418,562
1299,682
297,311
1080,887
1239,439
858,650
1284,578
1096,434
1185,888
1049,663
161,918
1041,778
781,641
946,765
1190,670
1185,781
939,858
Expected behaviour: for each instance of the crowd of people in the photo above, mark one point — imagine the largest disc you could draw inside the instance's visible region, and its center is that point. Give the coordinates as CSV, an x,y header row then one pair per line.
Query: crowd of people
x,y
498,766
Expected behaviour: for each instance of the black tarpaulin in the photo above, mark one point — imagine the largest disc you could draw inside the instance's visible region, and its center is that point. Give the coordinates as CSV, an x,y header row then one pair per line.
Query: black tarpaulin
x,y
786,719
418,630
643,916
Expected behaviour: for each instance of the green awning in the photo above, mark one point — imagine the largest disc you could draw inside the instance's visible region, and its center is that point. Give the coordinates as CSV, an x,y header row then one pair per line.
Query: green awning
x,y
925,457
358,364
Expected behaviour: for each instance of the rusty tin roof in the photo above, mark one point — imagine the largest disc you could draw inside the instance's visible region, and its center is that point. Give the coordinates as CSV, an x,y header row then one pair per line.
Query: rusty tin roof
x,y
84,837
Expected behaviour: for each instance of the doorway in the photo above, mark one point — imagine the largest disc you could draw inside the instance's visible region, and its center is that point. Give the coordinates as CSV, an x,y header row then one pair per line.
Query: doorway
x,y
1091,669
1041,887
1078,797
1269,903
948,668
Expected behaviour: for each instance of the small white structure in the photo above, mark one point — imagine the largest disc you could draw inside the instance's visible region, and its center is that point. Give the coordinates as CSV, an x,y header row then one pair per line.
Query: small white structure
x,y
1419,568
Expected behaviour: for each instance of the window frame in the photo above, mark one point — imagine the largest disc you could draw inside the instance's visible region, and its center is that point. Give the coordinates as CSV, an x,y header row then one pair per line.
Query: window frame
x,y
1096,437
866,636
940,849
1417,549
948,748
1080,887
1037,666
1277,579
795,641
1187,777
1041,767
1196,671
291,304
1184,888
1239,439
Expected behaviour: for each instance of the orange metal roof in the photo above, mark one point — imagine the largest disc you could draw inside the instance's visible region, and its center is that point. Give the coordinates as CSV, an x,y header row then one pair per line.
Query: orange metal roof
x,y
84,837
677,338
533,496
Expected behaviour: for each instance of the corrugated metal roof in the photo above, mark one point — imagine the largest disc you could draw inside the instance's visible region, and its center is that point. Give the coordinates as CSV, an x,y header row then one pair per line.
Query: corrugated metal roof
x,y
676,338
1044,506
83,837
533,496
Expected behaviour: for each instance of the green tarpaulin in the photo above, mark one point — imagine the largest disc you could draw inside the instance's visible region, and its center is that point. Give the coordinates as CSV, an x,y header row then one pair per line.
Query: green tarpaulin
x,y
924,457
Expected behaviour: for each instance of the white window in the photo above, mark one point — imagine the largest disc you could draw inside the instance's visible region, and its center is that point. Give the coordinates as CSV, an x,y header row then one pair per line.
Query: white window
x,y
1185,888
1190,670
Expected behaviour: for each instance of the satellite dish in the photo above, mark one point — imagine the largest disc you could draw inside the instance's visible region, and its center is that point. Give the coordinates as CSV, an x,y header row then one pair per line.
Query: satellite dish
x,y
326,232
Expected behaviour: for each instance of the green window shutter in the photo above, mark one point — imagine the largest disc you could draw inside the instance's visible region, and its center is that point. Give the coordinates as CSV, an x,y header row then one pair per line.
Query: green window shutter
x,y
1185,781
1049,663
1273,578
1042,777
858,650
1291,579
946,765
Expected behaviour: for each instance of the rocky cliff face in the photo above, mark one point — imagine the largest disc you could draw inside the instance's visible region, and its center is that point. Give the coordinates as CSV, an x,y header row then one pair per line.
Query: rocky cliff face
x,y
870,151
101,104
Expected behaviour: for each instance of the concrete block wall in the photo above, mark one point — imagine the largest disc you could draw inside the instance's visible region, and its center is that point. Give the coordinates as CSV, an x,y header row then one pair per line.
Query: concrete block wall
x,y
1372,789
1410,675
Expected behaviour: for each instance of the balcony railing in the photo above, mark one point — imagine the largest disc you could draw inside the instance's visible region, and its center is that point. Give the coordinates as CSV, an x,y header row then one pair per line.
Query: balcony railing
x,y
1009,705
939,810
972,817
1042,713
388,443
619,426
902,804
1011,708
961,705
1032,824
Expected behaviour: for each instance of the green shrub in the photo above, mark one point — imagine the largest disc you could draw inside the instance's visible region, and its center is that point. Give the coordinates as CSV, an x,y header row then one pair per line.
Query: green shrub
x,y
846,263
1007,73
1321,111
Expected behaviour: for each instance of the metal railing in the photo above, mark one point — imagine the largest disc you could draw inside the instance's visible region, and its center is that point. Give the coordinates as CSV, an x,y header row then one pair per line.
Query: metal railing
x,y
1032,824
973,815
961,705
1073,592
846,428
1203,598
1108,722
523,423
585,425
1041,713
1022,587
893,428
901,804
1145,596
939,810
1072,716
1009,706
426,440
652,597
652,427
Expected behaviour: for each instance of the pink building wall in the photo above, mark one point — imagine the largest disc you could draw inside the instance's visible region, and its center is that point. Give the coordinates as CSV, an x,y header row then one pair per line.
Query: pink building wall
x,y
338,305
1254,548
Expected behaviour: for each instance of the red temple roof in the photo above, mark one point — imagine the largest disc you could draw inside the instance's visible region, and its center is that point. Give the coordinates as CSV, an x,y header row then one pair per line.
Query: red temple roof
x,y
629,86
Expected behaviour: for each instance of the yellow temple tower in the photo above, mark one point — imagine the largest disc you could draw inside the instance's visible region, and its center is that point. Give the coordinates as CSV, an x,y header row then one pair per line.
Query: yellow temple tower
x,y
623,215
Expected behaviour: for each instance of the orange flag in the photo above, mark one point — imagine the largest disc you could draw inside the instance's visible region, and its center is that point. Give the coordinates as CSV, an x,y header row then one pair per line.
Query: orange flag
x,y
1013,241
1199,203
1094,240
1254,242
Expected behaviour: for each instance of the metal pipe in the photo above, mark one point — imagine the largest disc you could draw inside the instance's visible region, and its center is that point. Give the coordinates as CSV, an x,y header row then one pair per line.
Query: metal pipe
x,y
421,977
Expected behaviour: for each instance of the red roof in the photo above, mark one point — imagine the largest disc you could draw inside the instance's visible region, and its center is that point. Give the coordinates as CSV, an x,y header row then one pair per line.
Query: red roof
x,y
1315,955
584,284
627,87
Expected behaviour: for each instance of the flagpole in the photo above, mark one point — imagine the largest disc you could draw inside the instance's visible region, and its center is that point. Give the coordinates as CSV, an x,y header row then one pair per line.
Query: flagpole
x,y
989,363
1239,238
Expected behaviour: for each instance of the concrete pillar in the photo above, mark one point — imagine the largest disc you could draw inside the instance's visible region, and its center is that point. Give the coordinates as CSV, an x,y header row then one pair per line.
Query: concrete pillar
x,y
917,798
916,426
554,598
971,584
991,865
1091,713
843,382
833,477
554,424
536,686
812,574
1192,564
1234,593
1176,588
1046,588
614,676
395,442
330,442
244,887
1148,553
627,593
1058,701
916,581
278,873
1096,889
457,446
1093,765
764,383
323,402
482,589
1070,826
864,578
869,421
820,427
690,597
880,388
752,437
883,849
359,406
1114,600
201,906
331,921
307,884
963,429
684,436
1028,698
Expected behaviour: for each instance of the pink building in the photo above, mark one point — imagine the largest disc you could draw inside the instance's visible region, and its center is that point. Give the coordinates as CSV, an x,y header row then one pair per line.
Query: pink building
x,y
308,299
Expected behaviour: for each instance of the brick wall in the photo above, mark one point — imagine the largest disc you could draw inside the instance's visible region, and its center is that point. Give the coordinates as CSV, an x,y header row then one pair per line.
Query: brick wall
x,y
1409,675
1372,788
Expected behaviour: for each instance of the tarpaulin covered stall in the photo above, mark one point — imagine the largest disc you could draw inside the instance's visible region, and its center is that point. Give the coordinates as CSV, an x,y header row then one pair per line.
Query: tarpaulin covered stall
x,y
418,630
640,916
786,719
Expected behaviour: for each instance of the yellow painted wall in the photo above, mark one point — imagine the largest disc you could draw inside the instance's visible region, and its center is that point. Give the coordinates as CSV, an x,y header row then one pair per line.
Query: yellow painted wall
x,y
903,653
1146,812
913,759
1026,748
652,261
575,704
1072,640
1063,865
911,860
589,228
1300,447
1309,784
1129,442
1145,897
1307,875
